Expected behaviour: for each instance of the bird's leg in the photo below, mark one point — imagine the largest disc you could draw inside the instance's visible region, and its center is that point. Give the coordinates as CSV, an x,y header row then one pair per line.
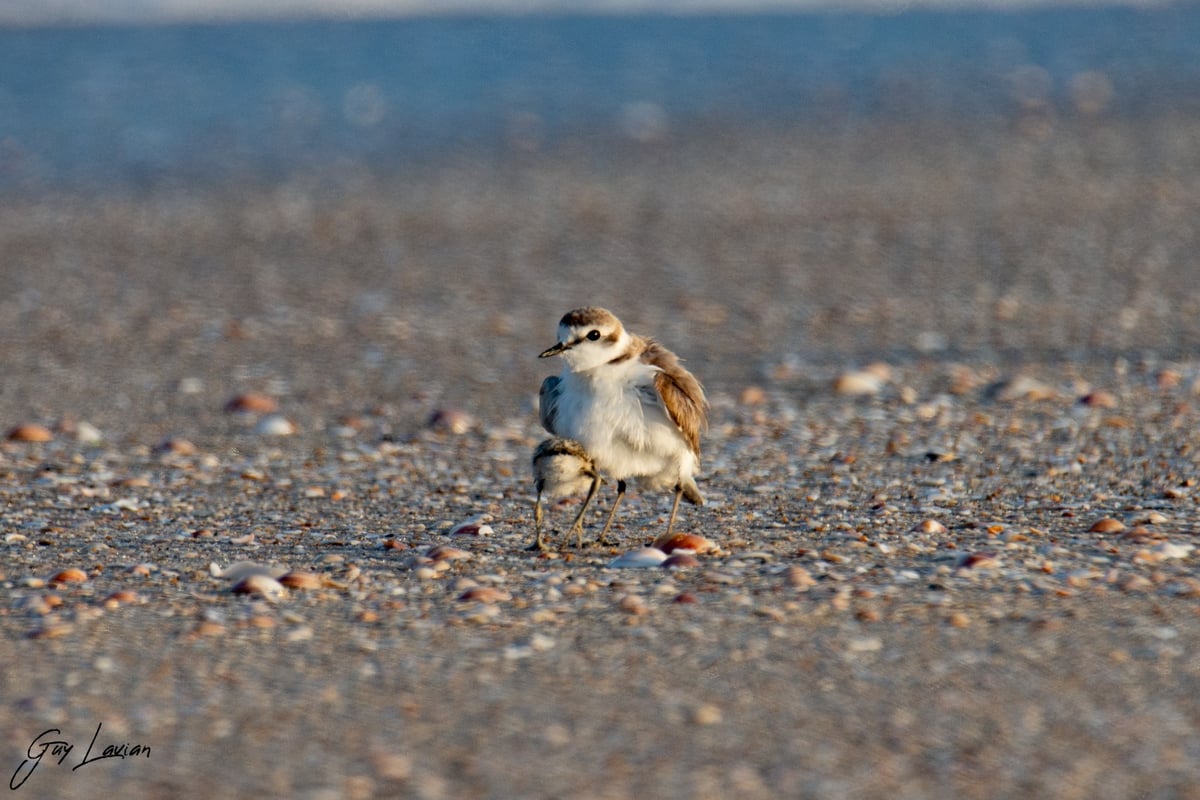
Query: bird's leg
x,y
577,525
538,543
674,508
603,540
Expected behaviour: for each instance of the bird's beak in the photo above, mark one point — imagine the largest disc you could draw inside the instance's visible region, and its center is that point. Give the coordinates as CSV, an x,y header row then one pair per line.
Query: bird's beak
x,y
555,350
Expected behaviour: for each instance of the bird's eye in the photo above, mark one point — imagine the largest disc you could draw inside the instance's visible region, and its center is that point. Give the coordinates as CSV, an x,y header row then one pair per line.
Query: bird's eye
x,y
593,335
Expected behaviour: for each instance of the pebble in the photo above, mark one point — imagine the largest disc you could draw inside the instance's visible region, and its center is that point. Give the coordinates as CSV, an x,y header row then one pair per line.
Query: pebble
x,y
640,558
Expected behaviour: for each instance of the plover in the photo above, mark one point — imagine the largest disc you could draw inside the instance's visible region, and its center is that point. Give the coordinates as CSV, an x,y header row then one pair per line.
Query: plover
x,y
562,468
631,405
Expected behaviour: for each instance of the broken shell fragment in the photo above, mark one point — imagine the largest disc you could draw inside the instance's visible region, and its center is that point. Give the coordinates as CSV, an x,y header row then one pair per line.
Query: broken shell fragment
x,y
451,420
485,594
681,560
261,585
252,403
301,580
640,558
476,526
444,552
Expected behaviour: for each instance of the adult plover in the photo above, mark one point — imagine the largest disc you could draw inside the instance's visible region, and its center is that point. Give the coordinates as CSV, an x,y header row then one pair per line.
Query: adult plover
x,y
631,405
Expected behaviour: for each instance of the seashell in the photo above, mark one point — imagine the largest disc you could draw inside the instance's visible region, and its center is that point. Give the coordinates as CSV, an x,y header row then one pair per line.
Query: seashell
x,y
175,446
1099,399
642,557
261,585
275,425
244,569
681,560
451,420
980,560
930,526
301,580
70,575
251,403
1107,525
444,552
485,594
476,526
1021,387
684,541
859,383
30,432
684,598
86,432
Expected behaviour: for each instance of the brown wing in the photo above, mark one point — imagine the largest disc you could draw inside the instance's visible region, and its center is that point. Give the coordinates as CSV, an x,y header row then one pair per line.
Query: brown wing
x,y
681,393
548,402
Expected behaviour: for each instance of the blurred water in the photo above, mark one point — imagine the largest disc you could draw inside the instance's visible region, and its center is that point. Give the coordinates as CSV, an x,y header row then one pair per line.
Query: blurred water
x,y
129,106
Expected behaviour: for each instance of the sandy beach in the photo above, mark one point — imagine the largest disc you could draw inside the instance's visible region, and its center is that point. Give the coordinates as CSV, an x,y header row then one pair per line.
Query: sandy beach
x,y
951,474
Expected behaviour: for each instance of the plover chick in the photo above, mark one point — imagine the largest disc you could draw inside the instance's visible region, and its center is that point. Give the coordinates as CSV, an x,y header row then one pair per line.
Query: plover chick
x,y
562,468
631,405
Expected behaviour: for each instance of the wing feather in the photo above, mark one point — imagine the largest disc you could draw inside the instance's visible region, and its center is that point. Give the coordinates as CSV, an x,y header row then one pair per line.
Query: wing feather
x,y
548,397
680,393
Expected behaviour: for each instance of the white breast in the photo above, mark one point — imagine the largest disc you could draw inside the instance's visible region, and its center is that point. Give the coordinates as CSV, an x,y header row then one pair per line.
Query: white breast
x,y
603,410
